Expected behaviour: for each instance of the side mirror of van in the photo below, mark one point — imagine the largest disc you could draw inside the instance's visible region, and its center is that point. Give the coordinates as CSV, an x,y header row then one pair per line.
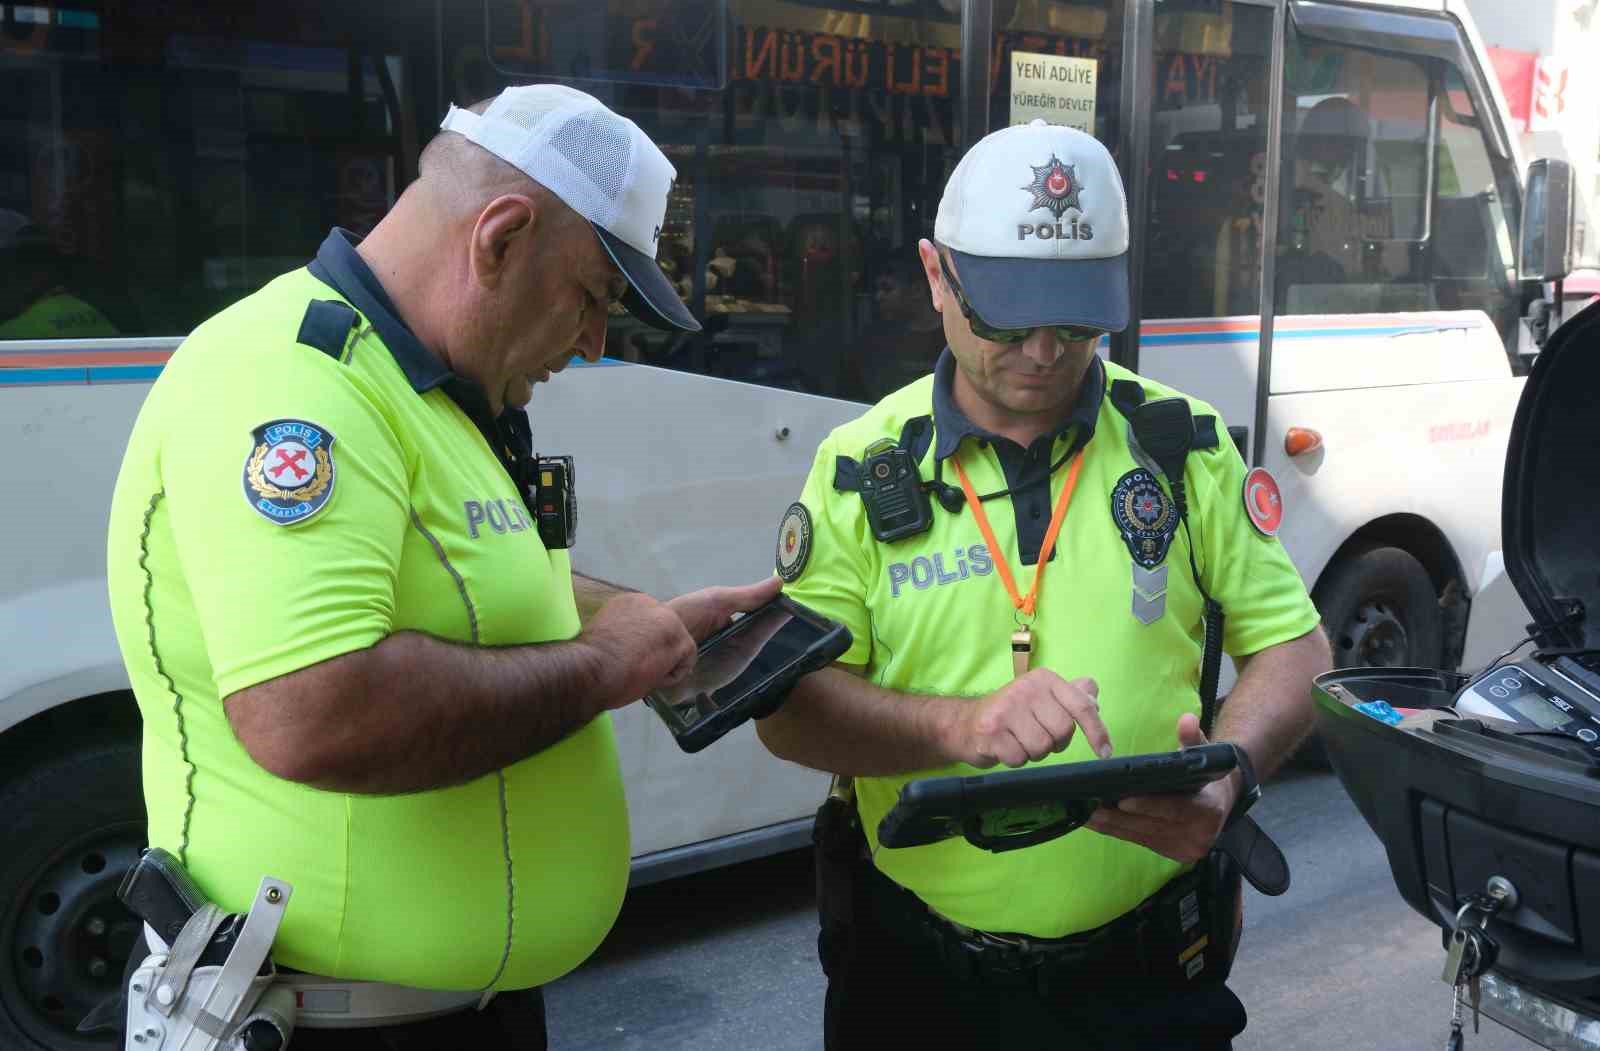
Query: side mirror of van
x,y
1547,218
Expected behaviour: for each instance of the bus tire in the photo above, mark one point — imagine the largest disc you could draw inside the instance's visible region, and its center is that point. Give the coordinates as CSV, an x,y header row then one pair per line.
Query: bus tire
x,y
73,824
1379,609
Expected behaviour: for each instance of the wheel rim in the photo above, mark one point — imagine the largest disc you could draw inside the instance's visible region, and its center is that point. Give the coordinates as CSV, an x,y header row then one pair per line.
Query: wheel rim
x,y
70,937
1375,636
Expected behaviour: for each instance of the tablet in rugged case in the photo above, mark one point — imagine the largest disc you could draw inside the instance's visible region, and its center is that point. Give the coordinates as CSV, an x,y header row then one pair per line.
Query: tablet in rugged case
x,y
1019,808
747,669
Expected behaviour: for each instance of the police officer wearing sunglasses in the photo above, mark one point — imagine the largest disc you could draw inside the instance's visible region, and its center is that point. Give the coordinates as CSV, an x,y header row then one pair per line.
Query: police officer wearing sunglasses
x,y
1041,557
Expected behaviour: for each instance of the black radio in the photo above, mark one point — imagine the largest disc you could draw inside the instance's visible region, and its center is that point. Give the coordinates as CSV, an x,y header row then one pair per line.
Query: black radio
x,y
891,487
555,501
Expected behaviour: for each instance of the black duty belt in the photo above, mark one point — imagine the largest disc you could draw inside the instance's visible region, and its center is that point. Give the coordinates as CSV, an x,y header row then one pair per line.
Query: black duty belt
x,y
1143,945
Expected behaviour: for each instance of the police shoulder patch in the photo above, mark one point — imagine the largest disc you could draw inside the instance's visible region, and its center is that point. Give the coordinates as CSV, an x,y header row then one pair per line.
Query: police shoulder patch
x,y
289,474
1145,517
1262,501
794,542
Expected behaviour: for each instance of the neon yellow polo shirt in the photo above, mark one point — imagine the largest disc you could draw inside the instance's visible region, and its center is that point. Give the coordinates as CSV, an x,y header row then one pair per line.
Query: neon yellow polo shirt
x,y
279,506
930,615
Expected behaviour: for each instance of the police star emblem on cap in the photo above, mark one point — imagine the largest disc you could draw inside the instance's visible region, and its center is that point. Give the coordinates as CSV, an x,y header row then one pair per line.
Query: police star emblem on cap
x,y
1055,187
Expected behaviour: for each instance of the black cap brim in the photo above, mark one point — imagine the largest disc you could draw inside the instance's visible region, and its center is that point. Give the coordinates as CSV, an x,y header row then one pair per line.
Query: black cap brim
x,y
651,297
1027,293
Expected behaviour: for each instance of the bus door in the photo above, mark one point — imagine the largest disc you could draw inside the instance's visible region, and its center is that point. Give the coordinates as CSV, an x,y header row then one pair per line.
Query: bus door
x,y
1204,127
1396,304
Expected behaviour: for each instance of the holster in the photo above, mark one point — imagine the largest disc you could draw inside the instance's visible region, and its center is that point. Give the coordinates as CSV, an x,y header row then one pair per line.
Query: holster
x,y
841,847
1188,930
206,983
1224,883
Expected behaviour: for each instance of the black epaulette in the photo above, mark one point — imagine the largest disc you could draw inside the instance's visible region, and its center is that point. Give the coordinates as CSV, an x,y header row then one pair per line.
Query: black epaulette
x,y
846,475
915,437
326,326
1129,398
1128,395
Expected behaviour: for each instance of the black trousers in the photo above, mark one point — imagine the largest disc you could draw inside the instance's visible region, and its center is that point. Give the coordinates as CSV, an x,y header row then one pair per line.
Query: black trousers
x,y
880,983
512,1021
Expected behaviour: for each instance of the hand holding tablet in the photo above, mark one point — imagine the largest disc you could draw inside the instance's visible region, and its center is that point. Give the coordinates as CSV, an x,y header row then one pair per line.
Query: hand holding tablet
x,y
746,671
1020,808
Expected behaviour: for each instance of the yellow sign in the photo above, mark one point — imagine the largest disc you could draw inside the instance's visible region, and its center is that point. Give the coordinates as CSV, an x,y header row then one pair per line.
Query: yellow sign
x,y
1058,88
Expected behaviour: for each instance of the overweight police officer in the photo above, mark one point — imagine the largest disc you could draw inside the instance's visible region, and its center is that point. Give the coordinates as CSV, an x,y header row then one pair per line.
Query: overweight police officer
x,y
1052,605
364,665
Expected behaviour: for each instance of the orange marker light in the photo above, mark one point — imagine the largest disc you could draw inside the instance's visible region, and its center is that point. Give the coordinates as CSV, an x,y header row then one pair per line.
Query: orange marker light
x,y
1301,440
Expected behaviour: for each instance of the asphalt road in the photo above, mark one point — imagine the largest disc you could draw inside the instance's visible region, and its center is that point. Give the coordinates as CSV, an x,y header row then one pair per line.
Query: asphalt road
x,y
726,960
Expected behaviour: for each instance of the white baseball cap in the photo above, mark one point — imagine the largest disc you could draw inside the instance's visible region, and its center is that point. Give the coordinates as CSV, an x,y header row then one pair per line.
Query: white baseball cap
x,y
1037,221
602,166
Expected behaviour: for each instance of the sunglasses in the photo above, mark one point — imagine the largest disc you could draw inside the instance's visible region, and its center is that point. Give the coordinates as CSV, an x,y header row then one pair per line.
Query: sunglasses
x,y
983,330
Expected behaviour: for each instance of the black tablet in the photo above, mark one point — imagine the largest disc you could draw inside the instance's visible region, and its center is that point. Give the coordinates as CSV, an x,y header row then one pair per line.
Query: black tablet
x,y
1019,808
747,669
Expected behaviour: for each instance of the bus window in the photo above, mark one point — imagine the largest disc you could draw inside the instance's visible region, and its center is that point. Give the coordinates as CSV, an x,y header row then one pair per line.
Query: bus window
x,y
158,162
1394,200
1473,262
1354,216
1058,61
811,154
1210,87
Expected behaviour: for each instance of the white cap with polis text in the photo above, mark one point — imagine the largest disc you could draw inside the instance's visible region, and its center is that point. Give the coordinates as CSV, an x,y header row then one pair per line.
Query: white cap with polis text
x,y
602,165
1037,222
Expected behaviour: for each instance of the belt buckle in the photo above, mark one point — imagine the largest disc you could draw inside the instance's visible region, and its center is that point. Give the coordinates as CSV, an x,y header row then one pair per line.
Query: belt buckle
x,y
993,954
1000,943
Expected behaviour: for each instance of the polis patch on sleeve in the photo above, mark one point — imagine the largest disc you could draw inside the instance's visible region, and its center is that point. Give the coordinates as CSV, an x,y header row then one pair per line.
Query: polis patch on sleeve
x,y
1145,517
794,542
1262,501
289,474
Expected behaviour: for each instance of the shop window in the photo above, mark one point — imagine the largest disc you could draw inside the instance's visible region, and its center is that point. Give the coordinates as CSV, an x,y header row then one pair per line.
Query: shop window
x,y
1060,62
811,143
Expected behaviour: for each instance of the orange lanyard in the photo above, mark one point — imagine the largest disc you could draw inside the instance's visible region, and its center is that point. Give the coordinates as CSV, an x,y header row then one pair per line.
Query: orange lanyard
x,y
1025,605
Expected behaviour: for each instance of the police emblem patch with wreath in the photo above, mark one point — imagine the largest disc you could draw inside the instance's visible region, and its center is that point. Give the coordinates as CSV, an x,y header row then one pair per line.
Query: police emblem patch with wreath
x,y
289,474
1145,517
794,542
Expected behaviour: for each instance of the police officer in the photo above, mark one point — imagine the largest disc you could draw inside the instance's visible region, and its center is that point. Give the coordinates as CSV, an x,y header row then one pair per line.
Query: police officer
x,y
35,302
1054,607
363,664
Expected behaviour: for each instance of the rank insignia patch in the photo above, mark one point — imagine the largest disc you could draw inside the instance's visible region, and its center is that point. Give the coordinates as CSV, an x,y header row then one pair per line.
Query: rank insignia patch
x,y
289,474
794,542
1149,593
1145,517
1262,501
